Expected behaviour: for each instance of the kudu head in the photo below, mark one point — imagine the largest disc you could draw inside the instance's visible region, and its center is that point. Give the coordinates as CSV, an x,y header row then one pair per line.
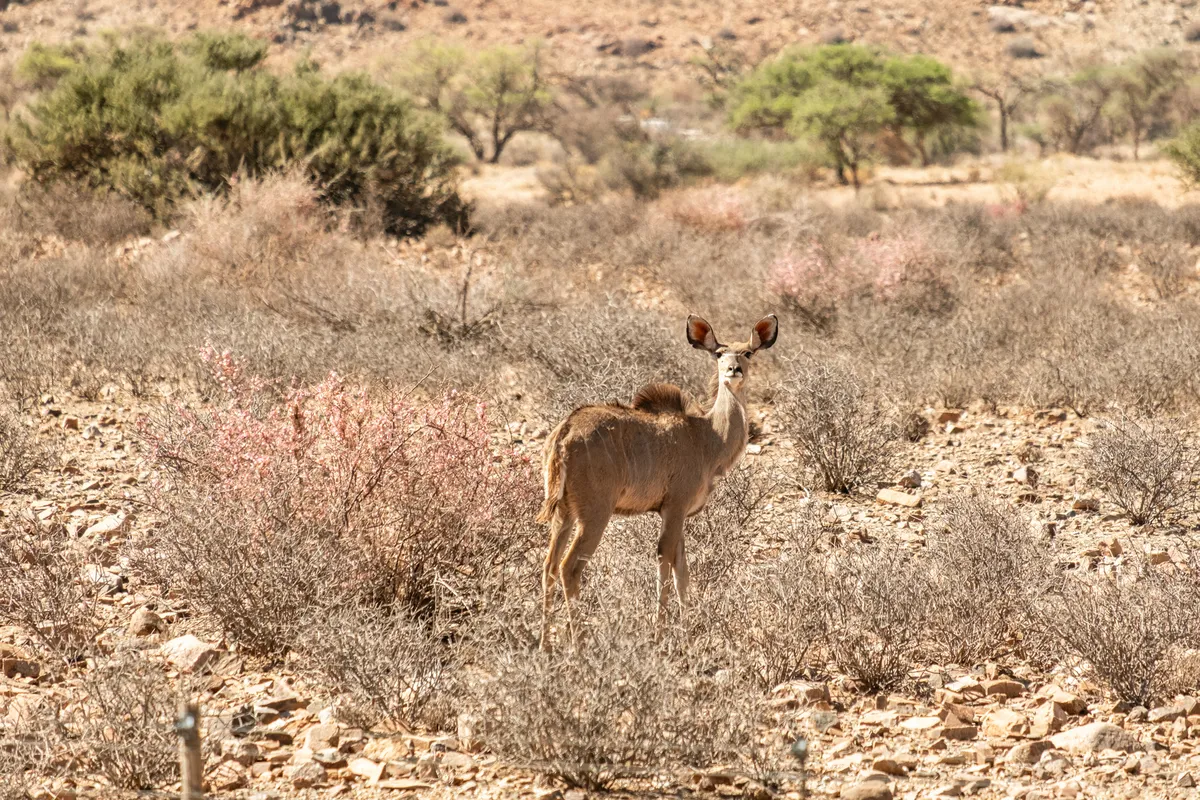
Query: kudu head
x,y
733,360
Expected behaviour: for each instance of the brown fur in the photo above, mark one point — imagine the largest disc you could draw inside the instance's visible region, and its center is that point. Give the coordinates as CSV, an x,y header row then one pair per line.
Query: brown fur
x,y
661,454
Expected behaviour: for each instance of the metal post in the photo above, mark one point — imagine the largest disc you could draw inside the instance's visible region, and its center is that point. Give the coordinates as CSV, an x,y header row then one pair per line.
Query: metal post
x,y
191,765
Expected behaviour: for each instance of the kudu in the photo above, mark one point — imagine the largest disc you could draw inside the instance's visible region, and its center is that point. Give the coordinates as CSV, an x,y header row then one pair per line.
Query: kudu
x,y
661,454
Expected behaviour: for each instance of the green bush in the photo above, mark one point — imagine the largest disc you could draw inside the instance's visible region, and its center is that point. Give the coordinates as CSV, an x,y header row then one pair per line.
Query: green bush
x,y
732,159
155,121
1184,150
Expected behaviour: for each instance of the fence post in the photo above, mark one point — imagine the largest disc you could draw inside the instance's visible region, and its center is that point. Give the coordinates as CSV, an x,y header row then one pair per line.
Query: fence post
x,y
191,766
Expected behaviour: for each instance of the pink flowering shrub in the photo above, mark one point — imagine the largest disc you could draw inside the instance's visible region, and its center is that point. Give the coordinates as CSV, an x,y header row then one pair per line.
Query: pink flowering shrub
x,y
811,283
712,210
331,495
888,269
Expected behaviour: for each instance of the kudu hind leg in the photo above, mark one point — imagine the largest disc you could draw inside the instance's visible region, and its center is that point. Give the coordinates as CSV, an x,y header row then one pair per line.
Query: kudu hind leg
x,y
562,526
591,529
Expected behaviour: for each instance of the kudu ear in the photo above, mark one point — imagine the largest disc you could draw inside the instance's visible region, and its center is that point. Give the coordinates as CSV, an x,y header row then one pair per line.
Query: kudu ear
x,y
764,333
700,334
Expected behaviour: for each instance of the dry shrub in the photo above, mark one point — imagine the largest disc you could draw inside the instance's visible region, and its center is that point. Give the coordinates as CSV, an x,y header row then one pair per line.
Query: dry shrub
x,y
986,566
842,433
20,452
79,215
875,613
618,706
123,729
1146,468
1169,269
717,209
402,503
43,590
27,742
1131,626
388,666
605,353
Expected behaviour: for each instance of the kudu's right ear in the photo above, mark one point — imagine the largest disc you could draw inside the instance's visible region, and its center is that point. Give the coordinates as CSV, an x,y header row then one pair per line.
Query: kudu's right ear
x,y
700,334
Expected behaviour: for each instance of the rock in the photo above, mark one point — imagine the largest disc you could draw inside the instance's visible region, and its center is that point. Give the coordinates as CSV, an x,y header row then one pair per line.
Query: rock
x,y
1026,475
305,776
1086,504
835,36
16,663
456,18
1096,737
403,784
955,729
243,752
1027,752
1004,723
227,776
1068,702
889,766
1049,718
921,723
797,694
1157,557
145,622
898,498
867,790
946,466
188,654
367,769
112,524
949,416
910,480
1185,780
1192,34
321,737
1166,713
1003,688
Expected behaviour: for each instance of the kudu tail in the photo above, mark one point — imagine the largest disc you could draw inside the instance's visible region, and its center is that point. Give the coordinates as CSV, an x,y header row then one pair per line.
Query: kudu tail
x,y
552,468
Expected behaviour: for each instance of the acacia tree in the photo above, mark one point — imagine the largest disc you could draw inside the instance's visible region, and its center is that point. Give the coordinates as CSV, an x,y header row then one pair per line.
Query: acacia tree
x,y
1143,89
1074,108
487,98
1008,92
923,98
844,95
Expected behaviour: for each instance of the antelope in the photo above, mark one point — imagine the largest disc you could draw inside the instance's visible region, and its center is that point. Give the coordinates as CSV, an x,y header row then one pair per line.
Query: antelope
x,y
662,453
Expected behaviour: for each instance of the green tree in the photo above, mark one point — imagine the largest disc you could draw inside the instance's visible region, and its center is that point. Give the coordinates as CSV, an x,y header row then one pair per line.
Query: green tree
x,y
924,99
1009,93
156,121
1073,108
487,98
844,95
1143,89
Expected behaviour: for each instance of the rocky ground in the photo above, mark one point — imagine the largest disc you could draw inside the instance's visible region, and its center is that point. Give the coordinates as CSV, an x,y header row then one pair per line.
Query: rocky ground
x,y
997,732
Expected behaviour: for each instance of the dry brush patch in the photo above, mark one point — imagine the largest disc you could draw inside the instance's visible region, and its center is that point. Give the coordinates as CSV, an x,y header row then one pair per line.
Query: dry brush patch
x,y
402,502
1148,469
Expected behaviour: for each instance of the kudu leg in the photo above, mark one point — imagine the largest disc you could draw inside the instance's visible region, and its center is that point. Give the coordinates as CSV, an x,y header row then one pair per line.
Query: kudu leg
x,y
562,526
670,553
591,529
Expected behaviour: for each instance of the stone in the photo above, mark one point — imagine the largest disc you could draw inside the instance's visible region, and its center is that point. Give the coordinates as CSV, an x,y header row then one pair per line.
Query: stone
x,y
910,480
889,766
1185,780
921,723
867,790
306,776
1070,703
241,751
365,768
897,498
112,524
16,663
188,654
227,776
1096,737
796,694
949,415
1027,752
1086,504
1049,718
321,737
403,784
1026,475
1166,713
1003,688
1004,723
145,622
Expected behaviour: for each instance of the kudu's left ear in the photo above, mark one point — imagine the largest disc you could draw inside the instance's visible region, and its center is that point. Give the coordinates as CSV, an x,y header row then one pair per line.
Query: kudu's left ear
x,y
700,334
764,333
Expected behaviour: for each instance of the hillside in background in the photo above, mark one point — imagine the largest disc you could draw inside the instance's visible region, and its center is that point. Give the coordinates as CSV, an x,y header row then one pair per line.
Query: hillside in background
x,y
656,38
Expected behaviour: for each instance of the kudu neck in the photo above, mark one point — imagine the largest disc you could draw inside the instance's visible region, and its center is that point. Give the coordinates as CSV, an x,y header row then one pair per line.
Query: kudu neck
x,y
730,422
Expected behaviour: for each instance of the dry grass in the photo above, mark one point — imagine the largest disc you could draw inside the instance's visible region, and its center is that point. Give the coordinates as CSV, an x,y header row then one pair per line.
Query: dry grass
x,y
20,452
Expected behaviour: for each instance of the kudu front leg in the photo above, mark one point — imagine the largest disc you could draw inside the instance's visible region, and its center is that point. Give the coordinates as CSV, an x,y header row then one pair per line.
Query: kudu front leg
x,y
670,557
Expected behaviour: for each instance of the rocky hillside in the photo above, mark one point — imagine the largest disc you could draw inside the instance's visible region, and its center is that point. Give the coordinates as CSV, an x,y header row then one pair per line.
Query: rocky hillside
x,y
659,39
